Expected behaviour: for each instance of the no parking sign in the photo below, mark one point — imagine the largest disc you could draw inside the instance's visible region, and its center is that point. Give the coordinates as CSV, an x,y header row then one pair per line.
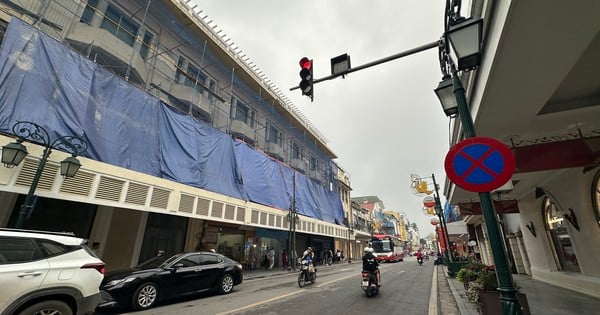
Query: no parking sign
x,y
480,164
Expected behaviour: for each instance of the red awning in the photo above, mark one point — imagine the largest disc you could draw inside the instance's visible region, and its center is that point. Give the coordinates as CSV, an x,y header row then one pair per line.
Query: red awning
x,y
557,155
504,206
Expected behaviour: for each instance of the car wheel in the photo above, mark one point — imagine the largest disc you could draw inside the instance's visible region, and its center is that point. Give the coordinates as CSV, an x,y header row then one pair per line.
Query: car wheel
x,y
48,307
226,284
145,296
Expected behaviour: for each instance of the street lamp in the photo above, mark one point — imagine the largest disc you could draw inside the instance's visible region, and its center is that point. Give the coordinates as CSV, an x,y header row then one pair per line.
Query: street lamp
x,y
292,218
465,37
14,153
440,213
350,232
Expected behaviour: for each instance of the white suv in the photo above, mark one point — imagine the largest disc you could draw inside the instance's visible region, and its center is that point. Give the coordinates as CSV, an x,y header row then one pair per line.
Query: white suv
x,y
47,273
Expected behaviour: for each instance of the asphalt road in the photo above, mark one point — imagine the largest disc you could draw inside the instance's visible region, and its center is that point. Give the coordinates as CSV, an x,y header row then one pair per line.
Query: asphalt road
x,y
405,290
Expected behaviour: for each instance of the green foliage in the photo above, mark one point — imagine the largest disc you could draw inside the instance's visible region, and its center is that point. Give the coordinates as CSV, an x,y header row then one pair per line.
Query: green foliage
x,y
488,281
465,275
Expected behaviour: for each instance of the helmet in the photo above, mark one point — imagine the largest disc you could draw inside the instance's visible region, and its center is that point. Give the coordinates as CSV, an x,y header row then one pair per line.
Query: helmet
x,y
370,249
366,249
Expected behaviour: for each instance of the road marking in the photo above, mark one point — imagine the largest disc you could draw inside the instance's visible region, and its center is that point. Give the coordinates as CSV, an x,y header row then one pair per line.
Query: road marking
x,y
262,302
335,280
401,271
433,310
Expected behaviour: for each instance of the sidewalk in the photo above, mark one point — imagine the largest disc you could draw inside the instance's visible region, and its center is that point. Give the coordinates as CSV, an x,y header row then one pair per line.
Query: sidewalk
x,y
262,272
542,297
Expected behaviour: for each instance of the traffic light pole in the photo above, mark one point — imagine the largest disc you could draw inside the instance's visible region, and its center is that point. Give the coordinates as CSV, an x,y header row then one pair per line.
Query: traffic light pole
x,y
377,62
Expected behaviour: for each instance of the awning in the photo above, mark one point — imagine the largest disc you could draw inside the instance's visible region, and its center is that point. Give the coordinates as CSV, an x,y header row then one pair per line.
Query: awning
x,y
557,155
503,206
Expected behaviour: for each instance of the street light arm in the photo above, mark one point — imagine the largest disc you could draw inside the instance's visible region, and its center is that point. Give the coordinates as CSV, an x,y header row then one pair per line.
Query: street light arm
x,y
70,144
37,134
31,131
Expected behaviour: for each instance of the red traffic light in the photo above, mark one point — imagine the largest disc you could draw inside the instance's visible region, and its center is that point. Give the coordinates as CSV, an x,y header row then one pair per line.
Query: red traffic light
x,y
305,63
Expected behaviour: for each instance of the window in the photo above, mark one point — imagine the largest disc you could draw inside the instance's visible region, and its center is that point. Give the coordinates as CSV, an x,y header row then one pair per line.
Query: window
x,y
120,25
88,12
189,75
16,250
190,260
50,248
146,45
273,134
296,151
559,237
244,113
312,163
210,260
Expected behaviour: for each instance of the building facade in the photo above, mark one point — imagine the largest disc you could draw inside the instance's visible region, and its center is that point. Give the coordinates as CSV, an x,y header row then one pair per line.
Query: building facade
x,y
164,57
548,112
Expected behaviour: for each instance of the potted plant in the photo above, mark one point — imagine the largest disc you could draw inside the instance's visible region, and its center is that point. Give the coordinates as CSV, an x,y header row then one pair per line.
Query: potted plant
x,y
483,292
470,272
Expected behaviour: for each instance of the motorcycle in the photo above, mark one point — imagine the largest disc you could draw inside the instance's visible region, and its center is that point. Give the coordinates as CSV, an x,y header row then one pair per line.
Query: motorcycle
x,y
307,273
420,261
438,261
369,283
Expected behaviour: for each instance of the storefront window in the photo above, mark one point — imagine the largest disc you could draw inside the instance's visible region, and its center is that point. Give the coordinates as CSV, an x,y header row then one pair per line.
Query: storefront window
x,y
560,238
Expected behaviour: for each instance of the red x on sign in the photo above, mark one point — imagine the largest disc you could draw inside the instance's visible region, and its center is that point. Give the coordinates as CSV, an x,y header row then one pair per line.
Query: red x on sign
x,y
479,164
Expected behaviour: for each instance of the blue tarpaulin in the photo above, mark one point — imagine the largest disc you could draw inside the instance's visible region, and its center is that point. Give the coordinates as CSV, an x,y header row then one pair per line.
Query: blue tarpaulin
x,y
45,82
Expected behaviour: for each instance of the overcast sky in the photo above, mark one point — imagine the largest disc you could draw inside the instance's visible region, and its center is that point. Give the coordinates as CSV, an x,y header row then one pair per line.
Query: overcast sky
x,y
384,123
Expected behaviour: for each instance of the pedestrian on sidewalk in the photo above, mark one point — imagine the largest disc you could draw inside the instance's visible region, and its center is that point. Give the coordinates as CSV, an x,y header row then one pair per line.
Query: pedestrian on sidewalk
x,y
284,260
271,257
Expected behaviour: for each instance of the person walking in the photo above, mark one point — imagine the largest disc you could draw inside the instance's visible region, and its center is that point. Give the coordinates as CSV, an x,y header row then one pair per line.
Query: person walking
x,y
271,257
284,260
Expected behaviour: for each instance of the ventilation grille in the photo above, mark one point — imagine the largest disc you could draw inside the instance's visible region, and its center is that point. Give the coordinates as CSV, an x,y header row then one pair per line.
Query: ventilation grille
x,y
229,212
137,194
254,218
186,203
217,209
203,206
80,185
160,198
241,213
28,173
109,188
263,218
271,220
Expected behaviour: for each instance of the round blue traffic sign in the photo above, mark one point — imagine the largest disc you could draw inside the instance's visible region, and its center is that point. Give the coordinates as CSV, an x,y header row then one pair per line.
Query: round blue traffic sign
x,y
480,164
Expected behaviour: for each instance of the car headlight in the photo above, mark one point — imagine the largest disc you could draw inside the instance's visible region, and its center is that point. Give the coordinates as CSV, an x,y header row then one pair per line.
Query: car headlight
x,y
120,281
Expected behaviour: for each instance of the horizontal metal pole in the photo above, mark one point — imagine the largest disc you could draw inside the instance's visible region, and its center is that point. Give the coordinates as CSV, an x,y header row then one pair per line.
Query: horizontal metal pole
x,y
377,62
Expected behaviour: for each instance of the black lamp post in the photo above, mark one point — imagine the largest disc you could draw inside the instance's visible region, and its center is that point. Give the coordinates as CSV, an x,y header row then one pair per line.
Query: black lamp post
x,y
13,153
440,213
292,218
350,232
465,37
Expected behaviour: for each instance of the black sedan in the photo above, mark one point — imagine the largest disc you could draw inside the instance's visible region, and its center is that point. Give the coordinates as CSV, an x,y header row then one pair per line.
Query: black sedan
x,y
161,278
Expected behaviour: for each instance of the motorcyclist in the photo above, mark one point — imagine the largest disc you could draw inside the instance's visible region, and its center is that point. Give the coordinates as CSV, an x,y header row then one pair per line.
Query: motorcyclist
x,y
308,256
371,264
419,255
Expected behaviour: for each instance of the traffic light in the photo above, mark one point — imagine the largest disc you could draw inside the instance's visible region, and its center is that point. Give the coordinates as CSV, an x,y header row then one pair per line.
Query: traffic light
x,y
306,77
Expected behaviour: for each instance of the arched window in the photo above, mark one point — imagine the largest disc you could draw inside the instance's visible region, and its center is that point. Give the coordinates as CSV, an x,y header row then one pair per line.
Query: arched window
x,y
559,236
596,196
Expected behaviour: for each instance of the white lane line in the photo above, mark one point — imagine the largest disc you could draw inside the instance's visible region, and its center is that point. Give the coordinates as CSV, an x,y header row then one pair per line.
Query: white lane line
x,y
433,309
335,280
262,302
